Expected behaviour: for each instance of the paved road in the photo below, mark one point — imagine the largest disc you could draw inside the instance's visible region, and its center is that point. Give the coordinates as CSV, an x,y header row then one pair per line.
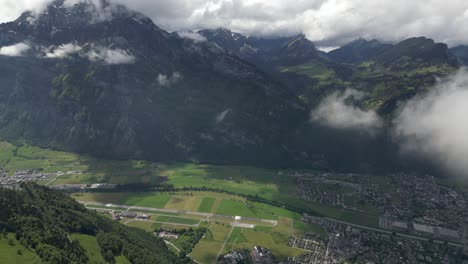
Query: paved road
x,y
161,210
150,209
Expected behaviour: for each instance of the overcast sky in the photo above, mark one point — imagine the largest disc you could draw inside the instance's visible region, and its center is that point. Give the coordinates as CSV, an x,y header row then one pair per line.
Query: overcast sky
x,y
326,22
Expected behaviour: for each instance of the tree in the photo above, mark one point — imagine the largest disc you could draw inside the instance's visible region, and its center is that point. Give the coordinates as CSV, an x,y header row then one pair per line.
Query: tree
x,y
19,252
109,256
10,242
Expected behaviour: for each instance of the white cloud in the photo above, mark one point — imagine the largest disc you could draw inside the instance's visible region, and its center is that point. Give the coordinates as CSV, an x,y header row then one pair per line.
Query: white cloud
x,y
92,52
62,51
435,125
12,9
165,80
110,56
335,112
327,22
221,116
195,37
14,50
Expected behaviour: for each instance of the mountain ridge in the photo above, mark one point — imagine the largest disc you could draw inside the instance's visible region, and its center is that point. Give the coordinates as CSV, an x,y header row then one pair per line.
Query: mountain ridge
x,y
161,103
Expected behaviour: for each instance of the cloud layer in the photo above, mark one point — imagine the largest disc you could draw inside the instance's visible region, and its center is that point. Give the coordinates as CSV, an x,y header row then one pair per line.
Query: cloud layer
x,y
335,112
110,56
14,50
195,37
327,22
435,125
165,80
92,52
62,51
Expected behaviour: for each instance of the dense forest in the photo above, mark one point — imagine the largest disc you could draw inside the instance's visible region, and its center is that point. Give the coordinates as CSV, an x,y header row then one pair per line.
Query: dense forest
x,y
42,221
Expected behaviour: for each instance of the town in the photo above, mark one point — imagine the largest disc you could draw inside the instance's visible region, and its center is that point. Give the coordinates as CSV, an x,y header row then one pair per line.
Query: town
x,y
420,220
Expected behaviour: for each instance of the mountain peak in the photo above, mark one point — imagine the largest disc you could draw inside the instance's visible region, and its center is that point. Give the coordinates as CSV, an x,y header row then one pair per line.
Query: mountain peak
x,y
65,13
358,50
419,48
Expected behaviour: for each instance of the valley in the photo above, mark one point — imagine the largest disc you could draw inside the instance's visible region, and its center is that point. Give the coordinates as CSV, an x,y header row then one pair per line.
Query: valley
x,y
239,207
286,141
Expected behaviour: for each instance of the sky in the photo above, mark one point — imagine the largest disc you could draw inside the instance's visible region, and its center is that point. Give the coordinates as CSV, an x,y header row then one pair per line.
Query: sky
x,y
328,23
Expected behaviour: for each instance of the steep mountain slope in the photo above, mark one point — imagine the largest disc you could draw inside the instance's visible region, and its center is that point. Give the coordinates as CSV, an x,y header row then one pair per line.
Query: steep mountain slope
x,y
461,52
44,221
386,73
277,55
417,50
106,80
358,51
257,48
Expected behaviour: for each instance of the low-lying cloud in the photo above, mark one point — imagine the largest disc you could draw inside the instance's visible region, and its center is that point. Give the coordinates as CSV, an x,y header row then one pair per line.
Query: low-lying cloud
x,y
14,50
435,125
195,37
110,56
221,116
94,53
62,51
165,80
336,112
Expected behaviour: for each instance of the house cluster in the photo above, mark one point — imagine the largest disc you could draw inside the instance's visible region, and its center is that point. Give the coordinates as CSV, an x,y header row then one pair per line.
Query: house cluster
x,y
420,229
167,235
118,215
258,255
345,243
324,189
234,257
21,176
315,244
424,201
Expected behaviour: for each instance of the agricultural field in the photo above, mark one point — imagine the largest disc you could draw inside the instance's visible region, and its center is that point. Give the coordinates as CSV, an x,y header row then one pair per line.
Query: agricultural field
x,y
177,220
224,233
206,205
221,236
70,168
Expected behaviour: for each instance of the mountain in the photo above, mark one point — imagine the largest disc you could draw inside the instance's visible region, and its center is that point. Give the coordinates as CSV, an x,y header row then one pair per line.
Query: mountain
x,y
254,48
276,56
358,51
418,50
386,73
47,224
105,80
461,52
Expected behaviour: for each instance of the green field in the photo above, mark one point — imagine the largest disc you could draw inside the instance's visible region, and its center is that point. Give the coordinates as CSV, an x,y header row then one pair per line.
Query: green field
x,y
184,201
206,251
274,241
253,210
154,200
9,253
89,243
206,205
177,220
266,184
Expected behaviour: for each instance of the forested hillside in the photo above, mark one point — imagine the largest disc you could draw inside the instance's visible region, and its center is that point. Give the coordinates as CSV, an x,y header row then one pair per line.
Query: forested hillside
x,y
45,221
